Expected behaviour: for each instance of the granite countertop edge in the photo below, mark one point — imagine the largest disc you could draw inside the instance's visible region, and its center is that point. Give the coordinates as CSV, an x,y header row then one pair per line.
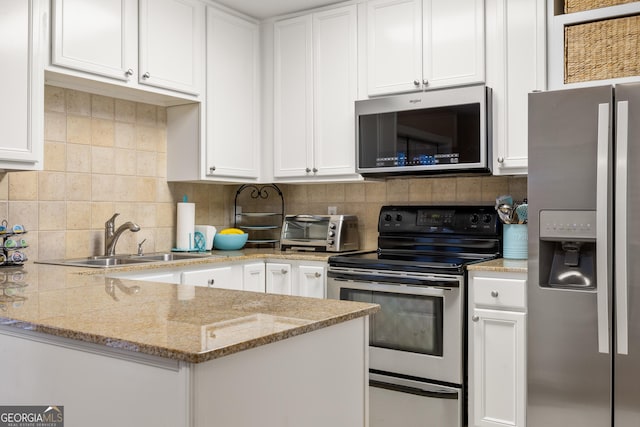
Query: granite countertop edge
x,y
114,340
501,265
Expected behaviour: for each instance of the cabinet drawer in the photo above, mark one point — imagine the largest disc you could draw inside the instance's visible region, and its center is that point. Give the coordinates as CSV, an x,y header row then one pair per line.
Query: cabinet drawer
x,y
498,292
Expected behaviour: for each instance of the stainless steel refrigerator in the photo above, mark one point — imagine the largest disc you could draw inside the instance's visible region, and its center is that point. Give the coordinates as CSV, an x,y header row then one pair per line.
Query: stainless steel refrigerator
x,y
583,338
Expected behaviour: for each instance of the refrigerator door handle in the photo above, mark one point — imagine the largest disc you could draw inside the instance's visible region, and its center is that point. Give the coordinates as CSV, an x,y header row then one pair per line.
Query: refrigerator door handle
x,y
622,149
602,227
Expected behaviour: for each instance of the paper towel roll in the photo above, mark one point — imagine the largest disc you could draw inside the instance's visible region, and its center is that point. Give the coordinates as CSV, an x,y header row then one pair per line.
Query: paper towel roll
x,y
185,226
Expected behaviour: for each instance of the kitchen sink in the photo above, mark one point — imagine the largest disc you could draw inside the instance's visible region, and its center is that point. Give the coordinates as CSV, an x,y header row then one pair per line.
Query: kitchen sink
x,y
121,260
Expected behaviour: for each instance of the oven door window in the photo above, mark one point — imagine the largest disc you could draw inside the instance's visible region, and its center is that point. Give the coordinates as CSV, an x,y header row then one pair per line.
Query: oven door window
x,y
411,323
306,229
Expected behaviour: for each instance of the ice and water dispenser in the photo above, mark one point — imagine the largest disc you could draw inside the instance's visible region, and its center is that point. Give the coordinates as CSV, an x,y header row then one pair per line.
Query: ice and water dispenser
x,y
567,257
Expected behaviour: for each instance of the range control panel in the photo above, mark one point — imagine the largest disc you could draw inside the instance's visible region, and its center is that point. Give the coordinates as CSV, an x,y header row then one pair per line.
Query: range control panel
x,y
438,219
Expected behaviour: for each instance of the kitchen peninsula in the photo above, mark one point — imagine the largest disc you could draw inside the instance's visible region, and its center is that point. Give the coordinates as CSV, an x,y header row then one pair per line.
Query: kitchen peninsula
x,y
132,353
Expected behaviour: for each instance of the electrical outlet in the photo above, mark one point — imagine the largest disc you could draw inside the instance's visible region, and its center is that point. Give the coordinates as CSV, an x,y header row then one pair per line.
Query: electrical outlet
x,y
332,210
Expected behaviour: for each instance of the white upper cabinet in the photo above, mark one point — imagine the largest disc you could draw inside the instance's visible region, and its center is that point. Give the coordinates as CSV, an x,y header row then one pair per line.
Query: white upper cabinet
x,y
233,100
293,91
516,63
157,43
315,86
21,84
423,44
98,36
171,44
394,46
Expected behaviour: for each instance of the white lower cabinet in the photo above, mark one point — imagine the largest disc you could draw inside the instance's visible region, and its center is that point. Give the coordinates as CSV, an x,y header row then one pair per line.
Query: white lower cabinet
x,y
278,278
300,278
310,281
497,349
224,277
253,277
295,277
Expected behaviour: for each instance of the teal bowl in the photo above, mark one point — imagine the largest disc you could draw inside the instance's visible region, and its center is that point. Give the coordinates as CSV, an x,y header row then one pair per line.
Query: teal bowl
x,y
230,242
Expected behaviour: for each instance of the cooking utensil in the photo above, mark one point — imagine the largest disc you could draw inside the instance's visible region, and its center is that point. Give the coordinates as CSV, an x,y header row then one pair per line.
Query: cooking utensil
x,y
505,212
504,200
522,212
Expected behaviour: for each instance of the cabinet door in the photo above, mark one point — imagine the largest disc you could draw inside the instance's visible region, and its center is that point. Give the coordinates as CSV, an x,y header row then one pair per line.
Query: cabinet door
x,y
311,281
453,42
293,97
219,277
498,368
516,66
21,85
232,106
278,278
253,277
394,46
172,44
335,90
97,36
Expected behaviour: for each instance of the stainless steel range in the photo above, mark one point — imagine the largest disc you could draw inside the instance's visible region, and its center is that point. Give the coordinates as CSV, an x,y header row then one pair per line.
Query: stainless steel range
x,y
418,339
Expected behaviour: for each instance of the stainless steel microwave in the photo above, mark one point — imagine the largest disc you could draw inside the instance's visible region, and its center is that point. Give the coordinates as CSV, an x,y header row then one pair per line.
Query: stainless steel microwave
x,y
433,132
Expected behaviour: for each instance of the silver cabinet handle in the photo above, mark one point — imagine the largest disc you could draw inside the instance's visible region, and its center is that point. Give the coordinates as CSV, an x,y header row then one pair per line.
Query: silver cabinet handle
x,y
425,82
129,72
500,160
284,271
212,169
211,282
315,170
475,318
494,294
308,170
318,274
416,83
603,200
146,75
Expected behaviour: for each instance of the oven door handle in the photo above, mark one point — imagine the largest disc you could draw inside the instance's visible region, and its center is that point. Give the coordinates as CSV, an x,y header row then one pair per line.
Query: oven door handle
x,y
396,289
402,385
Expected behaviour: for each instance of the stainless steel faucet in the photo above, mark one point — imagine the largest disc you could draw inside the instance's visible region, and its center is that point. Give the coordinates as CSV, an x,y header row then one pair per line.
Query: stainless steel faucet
x,y
111,236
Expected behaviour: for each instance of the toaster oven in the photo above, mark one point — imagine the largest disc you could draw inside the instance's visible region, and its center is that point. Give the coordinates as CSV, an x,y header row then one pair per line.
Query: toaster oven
x,y
326,233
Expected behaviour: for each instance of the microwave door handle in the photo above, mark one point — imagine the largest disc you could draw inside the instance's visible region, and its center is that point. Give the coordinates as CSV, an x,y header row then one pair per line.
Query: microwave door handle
x,y
396,289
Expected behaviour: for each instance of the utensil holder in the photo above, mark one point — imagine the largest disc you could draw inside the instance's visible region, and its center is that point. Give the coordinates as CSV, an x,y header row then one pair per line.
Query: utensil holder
x,y
515,241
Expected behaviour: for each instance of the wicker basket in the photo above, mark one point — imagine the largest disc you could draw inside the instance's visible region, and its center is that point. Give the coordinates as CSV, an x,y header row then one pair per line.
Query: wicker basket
x,y
602,50
571,6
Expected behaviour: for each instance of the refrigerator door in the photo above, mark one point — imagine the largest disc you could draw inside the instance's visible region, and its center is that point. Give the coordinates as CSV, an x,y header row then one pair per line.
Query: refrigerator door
x,y
627,267
569,330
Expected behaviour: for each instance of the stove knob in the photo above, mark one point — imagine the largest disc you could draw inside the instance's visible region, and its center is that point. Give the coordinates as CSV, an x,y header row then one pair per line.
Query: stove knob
x,y
332,226
475,218
332,233
398,217
487,218
387,217
330,242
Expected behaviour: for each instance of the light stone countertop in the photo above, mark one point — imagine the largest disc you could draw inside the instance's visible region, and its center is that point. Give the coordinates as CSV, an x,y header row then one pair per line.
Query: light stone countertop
x,y
501,265
181,322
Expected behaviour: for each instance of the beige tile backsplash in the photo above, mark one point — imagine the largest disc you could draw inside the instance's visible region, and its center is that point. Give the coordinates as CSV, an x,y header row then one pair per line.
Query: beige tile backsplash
x,y
106,155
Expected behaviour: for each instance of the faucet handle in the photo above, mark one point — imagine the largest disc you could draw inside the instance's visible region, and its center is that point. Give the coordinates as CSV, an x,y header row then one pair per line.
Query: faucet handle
x,y
111,220
140,251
